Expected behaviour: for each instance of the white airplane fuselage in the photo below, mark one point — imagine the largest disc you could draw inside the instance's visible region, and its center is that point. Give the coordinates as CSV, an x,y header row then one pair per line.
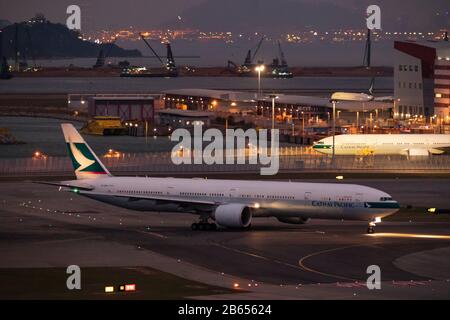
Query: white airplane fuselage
x,y
385,144
229,203
265,198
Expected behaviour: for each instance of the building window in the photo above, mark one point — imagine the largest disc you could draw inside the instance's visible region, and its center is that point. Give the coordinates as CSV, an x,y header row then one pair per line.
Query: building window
x,y
416,68
438,95
410,68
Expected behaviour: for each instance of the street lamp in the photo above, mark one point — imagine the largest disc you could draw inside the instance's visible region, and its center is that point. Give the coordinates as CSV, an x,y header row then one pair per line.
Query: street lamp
x,y
273,97
303,124
259,69
334,129
345,96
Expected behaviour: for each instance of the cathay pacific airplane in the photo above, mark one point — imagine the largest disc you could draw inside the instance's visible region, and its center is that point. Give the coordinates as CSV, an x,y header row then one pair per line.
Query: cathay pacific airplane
x,y
223,203
385,144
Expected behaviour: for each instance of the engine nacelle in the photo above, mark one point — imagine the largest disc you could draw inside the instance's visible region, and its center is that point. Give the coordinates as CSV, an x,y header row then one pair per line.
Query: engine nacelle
x,y
293,220
233,215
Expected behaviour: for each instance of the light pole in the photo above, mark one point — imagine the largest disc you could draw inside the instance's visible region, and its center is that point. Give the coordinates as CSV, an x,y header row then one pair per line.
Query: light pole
x,y
334,130
345,96
303,124
357,121
273,97
259,69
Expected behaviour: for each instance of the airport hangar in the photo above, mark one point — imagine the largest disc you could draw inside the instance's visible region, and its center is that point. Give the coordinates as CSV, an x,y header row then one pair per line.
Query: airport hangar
x,y
294,105
422,80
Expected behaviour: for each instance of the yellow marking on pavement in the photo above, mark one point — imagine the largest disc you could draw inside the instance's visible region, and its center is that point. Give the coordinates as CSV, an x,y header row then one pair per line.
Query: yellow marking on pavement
x,y
302,265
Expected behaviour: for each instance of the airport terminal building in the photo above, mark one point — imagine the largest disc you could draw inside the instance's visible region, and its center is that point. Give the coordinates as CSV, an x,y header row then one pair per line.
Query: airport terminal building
x,y
296,106
422,80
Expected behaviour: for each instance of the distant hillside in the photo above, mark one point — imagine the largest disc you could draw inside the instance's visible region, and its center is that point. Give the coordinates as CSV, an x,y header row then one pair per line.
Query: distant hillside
x,y
4,23
43,39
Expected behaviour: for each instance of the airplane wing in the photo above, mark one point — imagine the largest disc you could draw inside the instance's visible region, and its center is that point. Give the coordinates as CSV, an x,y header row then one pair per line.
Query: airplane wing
x,y
193,203
82,188
71,184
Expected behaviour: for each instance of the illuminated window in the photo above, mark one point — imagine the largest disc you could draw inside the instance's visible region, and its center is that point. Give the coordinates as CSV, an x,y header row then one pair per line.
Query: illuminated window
x,y
438,95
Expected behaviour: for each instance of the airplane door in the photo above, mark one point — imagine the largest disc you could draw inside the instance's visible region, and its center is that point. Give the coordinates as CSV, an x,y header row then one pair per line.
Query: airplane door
x,y
307,196
233,193
359,197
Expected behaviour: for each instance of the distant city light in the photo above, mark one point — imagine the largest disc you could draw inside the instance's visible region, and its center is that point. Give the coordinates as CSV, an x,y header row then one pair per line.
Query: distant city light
x,y
109,289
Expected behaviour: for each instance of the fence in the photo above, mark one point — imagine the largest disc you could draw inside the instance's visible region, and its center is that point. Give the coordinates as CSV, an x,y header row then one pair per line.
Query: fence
x,y
151,163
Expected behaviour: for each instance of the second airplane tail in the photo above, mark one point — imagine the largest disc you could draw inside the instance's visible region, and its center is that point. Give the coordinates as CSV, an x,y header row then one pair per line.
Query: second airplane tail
x,y
85,163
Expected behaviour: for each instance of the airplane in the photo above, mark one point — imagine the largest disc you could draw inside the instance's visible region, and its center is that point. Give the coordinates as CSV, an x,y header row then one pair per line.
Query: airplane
x,y
385,144
228,203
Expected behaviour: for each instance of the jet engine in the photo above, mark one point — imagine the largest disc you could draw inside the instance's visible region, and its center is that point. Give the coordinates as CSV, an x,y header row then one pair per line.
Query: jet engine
x,y
233,215
293,220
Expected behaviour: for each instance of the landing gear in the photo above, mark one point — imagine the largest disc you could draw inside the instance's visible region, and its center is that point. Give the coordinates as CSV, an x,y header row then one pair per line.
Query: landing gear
x,y
371,227
204,225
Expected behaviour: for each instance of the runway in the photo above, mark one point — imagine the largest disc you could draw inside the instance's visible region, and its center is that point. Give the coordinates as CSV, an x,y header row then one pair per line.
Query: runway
x,y
41,227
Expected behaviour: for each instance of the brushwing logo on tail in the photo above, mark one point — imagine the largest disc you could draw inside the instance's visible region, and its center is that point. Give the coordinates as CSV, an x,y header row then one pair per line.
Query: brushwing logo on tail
x,y
83,160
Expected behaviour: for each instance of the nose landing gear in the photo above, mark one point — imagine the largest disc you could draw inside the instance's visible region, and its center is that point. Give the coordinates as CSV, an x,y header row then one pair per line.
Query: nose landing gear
x,y
371,227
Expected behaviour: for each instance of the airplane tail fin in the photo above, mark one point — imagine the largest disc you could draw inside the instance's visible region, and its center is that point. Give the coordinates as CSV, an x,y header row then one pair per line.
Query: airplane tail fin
x,y
372,85
85,163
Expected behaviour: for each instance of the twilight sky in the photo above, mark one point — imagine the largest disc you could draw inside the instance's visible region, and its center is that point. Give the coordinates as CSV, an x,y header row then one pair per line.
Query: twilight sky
x,y
242,15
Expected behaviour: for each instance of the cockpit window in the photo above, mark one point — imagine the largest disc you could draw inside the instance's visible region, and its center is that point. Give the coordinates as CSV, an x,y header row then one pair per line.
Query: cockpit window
x,y
320,142
385,199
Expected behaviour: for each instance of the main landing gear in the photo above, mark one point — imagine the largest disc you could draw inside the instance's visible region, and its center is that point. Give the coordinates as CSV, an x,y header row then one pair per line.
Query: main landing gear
x,y
204,225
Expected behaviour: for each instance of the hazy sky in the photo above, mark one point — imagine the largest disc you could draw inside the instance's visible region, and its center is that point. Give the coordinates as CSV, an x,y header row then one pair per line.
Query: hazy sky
x,y
226,14
97,13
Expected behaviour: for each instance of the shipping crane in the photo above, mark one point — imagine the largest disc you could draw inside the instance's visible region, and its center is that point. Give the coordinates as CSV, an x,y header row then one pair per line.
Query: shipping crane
x,y
279,66
102,55
4,67
368,51
169,66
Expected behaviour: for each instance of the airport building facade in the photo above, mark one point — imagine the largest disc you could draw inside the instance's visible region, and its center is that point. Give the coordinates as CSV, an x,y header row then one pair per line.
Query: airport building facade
x,y
127,108
422,80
